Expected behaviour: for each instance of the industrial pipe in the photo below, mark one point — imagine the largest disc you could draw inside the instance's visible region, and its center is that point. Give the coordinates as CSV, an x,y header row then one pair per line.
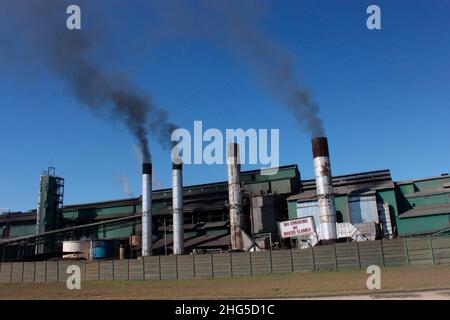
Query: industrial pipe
x,y
177,205
146,209
324,186
235,196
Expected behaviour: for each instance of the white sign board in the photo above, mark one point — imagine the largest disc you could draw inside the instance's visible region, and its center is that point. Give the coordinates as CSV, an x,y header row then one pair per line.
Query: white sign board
x,y
301,227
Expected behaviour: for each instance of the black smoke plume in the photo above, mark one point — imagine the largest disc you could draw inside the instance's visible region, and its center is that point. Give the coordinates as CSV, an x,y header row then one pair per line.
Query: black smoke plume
x,y
235,24
238,25
68,55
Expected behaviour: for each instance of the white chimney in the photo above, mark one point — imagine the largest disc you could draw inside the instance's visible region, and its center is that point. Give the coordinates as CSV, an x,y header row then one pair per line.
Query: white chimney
x,y
146,209
177,205
324,186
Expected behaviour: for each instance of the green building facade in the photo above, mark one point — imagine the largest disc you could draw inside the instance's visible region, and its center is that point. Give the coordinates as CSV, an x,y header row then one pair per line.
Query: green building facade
x,y
405,208
416,207
424,206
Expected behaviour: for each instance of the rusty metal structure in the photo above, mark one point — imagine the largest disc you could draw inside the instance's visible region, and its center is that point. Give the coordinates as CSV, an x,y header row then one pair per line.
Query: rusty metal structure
x,y
324,186
235,196
49,210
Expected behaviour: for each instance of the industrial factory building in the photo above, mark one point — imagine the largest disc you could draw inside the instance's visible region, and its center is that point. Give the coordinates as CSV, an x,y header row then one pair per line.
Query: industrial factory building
x,y
251,204
206,216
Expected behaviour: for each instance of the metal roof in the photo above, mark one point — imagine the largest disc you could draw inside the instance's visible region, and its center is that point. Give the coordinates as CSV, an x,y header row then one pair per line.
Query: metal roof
x,y
18,216
430,210
43,234
442,176
213,197
188,191
355,178
350,184
425,193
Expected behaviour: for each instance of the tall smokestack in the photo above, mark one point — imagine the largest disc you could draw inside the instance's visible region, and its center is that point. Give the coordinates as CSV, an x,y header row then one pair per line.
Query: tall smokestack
x,y
146,209
324,185
177,205
235,196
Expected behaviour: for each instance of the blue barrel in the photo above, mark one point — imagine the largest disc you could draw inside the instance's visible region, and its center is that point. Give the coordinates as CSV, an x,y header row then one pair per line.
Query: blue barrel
x,y
102,249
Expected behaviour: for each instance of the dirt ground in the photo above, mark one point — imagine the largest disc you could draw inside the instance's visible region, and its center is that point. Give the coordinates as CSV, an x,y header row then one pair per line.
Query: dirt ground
x,y
294,285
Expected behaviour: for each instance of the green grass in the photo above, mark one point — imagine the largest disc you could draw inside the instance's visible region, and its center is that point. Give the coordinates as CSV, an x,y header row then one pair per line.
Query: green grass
x,y
293,285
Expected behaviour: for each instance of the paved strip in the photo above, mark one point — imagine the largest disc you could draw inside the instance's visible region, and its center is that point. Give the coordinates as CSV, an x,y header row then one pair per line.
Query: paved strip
x,y
416,295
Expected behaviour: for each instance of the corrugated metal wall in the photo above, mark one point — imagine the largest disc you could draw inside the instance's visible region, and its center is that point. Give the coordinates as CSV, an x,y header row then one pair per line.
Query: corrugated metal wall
x,y
363,209
353,255
309,208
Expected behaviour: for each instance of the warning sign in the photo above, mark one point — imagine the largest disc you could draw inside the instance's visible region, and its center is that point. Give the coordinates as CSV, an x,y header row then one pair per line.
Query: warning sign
x,y
301,227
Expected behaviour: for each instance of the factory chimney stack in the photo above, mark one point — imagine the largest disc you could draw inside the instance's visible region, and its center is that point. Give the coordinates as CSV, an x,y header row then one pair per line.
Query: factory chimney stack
x,y
324,186
146,209
177,205
235,196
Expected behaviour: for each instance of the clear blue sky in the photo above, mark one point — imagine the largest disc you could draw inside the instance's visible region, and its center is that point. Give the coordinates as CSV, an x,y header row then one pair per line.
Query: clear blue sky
x,y
384,97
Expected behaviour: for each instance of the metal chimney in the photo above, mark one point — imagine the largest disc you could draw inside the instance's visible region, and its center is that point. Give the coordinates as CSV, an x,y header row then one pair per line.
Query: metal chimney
x,y
324,186
235,196
146,209
177,205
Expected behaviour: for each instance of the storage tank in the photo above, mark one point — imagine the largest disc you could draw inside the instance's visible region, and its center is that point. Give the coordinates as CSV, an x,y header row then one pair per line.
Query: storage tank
x,y
102,249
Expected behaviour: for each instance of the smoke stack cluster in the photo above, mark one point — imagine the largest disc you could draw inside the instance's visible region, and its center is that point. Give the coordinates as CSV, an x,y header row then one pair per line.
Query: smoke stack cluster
x,y
146,209
324,185
235,196
177,205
